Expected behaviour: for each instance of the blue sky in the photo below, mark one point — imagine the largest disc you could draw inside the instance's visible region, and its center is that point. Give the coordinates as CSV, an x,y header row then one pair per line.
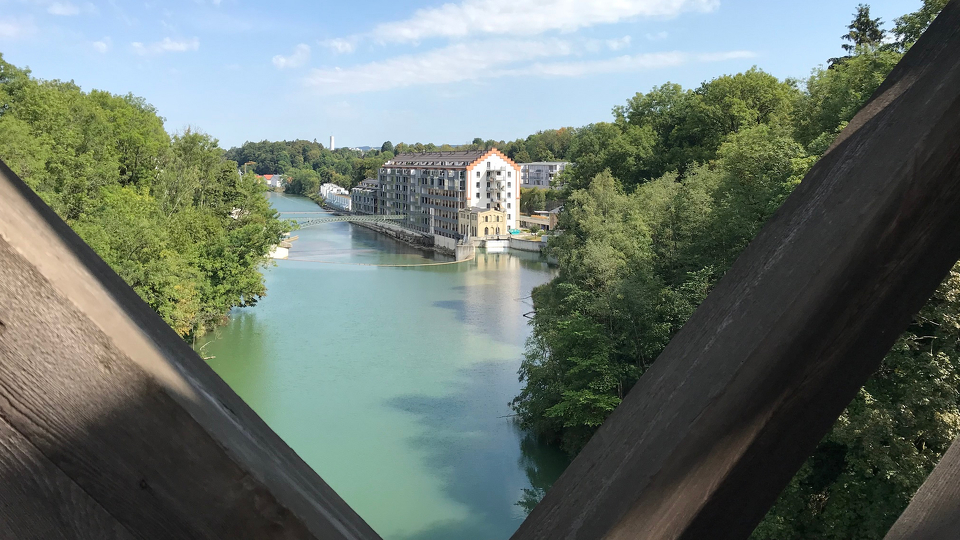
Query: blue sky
x,y
423,71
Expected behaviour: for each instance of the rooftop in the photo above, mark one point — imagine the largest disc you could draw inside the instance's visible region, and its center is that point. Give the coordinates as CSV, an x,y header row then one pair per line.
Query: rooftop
x,y
438,159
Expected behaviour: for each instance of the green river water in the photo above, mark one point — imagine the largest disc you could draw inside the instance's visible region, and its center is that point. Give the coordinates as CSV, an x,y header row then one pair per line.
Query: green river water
x,y
393,383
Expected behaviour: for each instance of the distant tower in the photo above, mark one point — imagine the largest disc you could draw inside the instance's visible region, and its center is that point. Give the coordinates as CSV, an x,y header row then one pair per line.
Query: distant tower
x,y
332,147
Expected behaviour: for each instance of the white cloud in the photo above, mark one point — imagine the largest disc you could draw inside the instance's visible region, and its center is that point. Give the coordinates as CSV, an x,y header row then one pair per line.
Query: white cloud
x,y
658,36
617,44
458,62
627,63
166,45
527,17
300,56
103,45
339,45
63,8
12,28
492,59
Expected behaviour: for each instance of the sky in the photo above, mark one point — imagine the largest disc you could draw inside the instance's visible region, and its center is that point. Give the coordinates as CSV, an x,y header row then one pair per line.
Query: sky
x,y
427,71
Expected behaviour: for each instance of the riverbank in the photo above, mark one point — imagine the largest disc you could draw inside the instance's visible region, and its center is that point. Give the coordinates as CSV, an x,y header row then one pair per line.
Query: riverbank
x,y
439,244
425,241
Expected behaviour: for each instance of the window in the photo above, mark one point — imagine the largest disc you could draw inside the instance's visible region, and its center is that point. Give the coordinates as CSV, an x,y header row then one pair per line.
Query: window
x,y
509,174
508,184
488,206
498,230
478,195
486,218
478,184
478,174
509,194
509,217
508,205
486,231
488,185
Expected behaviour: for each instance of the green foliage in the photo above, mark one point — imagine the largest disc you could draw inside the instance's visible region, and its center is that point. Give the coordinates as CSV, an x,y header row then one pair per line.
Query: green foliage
x,y
304,182
532,200
344,167
660,203
835,95
170,215
863,31
909,27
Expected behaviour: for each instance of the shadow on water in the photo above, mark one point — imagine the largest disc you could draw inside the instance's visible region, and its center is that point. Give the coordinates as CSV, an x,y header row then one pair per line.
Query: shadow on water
x,y
477,452
361,238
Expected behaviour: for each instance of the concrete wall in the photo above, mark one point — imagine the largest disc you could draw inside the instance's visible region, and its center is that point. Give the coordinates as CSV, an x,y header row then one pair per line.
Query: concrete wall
x,y
527,245
444,242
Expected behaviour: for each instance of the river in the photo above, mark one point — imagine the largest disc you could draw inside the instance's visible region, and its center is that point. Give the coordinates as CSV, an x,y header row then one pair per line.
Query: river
x,y
393,382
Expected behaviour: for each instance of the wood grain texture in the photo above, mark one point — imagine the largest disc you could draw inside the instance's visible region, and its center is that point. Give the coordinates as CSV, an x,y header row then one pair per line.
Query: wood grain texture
x,y
710,435
114,399
39,502
934,512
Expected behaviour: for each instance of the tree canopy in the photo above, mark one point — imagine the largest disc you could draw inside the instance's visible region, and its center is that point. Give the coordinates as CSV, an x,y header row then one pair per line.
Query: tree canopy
x,y
170,214
661,201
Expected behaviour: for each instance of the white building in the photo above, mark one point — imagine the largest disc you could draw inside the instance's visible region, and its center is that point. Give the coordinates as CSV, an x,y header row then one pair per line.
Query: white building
x,y
272,180
328,189
432,187
332,147
340,201
541,173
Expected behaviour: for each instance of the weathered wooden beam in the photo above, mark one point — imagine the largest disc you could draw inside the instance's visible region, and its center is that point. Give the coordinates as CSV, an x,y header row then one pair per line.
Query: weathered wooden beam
x,y
934,512
111,424
710,435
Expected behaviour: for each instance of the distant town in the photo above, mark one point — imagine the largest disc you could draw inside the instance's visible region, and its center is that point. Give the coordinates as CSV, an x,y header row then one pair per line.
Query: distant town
x,y
470,196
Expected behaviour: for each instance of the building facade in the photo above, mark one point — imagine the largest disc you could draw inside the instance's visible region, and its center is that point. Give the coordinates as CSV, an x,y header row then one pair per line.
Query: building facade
x,y
272,180
336,196
329,189
340,201
481,222
540,174
432,187
364,197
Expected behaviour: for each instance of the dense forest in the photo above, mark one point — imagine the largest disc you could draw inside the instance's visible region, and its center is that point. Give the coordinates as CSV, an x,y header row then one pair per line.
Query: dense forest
x,y
661,201
169,213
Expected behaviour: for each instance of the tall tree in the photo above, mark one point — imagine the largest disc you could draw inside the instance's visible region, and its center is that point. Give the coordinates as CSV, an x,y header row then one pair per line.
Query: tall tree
x,y
863,31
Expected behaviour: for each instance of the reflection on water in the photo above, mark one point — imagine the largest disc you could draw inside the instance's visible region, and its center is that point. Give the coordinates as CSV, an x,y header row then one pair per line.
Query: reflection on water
x,y
393,383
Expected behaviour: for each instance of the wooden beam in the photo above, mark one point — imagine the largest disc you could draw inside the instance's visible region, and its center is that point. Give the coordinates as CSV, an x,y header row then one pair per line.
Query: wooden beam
x,y
101,396
704,443
934,512
40,502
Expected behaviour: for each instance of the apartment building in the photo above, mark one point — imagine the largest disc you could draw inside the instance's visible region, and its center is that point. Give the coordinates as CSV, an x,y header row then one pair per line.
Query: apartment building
x,y
364,196
541,173
431,188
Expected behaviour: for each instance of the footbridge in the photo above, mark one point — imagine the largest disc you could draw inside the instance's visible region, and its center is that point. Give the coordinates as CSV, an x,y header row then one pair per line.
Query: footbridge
x,y
336,219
